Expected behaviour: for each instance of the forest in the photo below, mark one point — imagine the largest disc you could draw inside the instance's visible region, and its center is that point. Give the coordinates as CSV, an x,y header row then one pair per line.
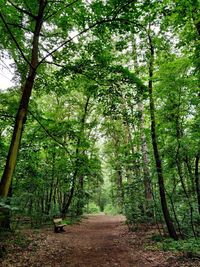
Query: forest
x,y
103,115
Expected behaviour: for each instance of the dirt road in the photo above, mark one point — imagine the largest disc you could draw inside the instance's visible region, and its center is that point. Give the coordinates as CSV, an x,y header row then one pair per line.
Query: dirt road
x,y
96,242
99,241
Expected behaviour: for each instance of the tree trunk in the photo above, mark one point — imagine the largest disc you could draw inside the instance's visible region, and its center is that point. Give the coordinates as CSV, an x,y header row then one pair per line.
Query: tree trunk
x,y
67,202
190,173
168,220
23,107
118,173
197,181
80,196
120,189
50,196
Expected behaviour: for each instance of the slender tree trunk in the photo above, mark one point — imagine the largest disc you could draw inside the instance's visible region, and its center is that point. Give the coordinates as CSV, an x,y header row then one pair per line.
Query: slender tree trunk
x,y
174,211
23,107
80,195
49,198
197,181
68,198
120,189
157,220
129,142
190,173
118,173
168,220
195,15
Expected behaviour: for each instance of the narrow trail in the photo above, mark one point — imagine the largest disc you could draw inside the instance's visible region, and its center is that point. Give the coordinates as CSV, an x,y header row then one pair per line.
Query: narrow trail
x,y
98,241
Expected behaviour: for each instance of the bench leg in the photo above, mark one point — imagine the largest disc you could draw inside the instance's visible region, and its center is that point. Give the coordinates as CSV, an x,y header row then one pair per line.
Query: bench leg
x,y
56,229
62,229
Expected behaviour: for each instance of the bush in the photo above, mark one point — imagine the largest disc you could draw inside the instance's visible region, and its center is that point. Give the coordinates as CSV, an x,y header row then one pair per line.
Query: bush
x,y
189,247
92,208
110,209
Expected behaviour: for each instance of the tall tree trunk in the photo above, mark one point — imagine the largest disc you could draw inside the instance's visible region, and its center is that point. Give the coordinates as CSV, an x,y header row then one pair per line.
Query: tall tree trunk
x,y
168,220
50,196
120,189
118,173
197,181
68,197
190,173
23,107
80,195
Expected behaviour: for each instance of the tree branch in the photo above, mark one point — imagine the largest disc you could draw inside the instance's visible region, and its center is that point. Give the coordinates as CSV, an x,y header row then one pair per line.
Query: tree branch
x,y
86,30
117,11
72,38
50,135
14,39
5,115
22,10
55,12
20,26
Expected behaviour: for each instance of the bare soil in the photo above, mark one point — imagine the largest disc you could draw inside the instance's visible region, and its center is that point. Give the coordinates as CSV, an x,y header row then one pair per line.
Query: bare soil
x,y
98,241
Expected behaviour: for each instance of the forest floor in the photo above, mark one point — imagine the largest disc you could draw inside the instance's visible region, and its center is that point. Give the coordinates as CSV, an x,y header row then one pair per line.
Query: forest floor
x,y
98,241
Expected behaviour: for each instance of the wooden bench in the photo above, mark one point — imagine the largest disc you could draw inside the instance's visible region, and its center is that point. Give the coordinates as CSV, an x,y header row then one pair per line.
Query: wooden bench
x,y
58,225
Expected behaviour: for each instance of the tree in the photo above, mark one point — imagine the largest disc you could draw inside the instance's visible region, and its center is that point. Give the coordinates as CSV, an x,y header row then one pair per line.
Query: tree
x,y
168,220
26,93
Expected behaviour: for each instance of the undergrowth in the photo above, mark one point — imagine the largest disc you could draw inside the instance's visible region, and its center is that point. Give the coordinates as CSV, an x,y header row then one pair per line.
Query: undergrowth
x,y
189,247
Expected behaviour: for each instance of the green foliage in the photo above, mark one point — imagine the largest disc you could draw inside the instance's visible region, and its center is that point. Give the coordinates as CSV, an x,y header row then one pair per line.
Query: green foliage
x,y
67,221
92,208
89,118
111,209
190,247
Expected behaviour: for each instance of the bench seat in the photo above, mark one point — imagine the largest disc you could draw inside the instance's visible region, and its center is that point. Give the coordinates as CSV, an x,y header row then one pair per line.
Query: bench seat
x,y
58,225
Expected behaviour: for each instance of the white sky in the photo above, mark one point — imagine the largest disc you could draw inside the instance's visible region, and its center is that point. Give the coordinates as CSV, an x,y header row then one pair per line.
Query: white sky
x,y
6,74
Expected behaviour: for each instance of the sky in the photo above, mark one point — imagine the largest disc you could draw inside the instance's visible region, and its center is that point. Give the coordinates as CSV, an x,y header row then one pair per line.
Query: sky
x,y
6,74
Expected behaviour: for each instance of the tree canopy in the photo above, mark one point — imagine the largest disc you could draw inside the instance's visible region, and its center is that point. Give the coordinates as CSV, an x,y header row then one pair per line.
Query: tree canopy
x,y
105,111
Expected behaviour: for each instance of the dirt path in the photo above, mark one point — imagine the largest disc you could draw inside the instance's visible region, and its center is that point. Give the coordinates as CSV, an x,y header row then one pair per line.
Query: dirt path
x,y
99,241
